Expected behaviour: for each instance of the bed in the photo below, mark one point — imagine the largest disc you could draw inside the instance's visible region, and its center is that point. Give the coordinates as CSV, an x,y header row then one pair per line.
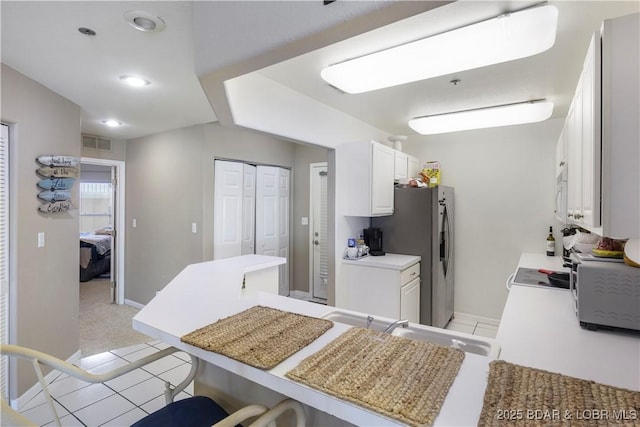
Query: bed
x,y
95,254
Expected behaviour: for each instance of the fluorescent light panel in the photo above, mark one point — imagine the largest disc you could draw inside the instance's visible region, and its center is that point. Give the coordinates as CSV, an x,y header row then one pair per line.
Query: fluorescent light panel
x,y
505,38
503,115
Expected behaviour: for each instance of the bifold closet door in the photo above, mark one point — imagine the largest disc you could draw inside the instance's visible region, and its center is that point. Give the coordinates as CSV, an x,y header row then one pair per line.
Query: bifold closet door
x,y
272,217
234,209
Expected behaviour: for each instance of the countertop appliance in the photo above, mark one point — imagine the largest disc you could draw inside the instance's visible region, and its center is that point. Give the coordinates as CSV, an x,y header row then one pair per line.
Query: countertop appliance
x,y
373,239
422,224
534,277
606,294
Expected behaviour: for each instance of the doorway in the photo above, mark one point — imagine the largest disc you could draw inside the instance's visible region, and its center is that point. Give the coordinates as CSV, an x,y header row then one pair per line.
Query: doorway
x,y
319,256
93,214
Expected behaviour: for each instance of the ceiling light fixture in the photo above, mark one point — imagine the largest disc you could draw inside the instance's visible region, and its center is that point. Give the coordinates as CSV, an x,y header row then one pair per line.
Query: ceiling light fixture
x,y
112,123
135,81
481,118
144,21
504,38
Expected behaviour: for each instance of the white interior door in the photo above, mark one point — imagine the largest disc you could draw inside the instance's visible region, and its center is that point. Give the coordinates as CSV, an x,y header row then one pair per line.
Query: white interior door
x,y
267,204
318,212
284,176
227,209
248,209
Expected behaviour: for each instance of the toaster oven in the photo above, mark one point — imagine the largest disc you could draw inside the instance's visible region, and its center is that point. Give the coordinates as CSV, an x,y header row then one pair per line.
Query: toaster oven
x,y
606,294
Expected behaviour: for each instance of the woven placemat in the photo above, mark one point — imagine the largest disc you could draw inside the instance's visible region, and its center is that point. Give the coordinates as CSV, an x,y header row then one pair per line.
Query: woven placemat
x,y
402,379
260,336
518,396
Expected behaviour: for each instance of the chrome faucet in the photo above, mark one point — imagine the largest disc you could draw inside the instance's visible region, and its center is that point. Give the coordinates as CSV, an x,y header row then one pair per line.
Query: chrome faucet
x,y
393,325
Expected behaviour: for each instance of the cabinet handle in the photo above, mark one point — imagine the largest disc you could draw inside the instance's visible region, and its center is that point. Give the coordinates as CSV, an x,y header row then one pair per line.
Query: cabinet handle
x,y
578,216
562,163
413,274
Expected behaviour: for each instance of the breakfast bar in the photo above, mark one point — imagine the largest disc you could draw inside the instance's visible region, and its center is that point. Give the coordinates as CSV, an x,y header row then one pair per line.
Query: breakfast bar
x,y
203,294
206,292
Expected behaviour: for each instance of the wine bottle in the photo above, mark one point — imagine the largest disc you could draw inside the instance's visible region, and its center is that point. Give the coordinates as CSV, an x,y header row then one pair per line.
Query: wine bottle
x,y
551,243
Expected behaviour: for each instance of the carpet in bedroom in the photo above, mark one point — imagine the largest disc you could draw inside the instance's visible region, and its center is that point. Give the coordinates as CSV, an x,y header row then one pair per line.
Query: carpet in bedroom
x,y
104,326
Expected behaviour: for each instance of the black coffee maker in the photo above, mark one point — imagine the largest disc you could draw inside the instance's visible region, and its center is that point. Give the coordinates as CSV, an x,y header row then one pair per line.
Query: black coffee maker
x,y
373,239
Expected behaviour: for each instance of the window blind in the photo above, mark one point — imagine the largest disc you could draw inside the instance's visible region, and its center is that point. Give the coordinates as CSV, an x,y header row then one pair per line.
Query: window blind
x,y
4,255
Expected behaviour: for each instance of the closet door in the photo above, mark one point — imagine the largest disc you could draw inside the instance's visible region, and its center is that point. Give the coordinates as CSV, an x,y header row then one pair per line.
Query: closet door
x,y
248,210
267,203
227,209
283,228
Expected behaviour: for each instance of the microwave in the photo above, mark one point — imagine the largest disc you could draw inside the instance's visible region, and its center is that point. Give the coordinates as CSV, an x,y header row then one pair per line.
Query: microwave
x,y
605,293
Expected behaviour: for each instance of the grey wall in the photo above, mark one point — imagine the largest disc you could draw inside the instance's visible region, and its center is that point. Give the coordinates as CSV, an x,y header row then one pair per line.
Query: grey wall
x,y
170,186
44,281
504,200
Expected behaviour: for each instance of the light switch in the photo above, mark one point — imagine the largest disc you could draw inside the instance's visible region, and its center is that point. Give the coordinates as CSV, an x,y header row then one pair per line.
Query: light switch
x,y
194,227
41,240
305,220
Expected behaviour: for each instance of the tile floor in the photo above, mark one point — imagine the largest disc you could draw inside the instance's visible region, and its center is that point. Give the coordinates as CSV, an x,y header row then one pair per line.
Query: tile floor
x,y
119,402
127,399
487,328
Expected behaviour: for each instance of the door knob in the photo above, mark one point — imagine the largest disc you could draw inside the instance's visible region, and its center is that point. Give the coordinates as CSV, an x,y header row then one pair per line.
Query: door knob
x,y
315,242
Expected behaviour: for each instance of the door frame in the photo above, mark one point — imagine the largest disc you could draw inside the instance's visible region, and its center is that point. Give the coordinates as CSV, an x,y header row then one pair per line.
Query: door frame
x,y
312,194
120,225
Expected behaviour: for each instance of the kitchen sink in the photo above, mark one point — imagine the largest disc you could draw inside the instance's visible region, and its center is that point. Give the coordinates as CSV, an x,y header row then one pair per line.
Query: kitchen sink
x,y
355,319
468,343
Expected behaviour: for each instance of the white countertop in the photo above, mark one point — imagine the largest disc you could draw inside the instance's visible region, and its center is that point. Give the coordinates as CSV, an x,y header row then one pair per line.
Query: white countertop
x,y
539,328
391,261
203,293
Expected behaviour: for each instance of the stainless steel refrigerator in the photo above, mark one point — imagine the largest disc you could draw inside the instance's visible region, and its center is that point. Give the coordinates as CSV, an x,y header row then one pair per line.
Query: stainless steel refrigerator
x,y
422,224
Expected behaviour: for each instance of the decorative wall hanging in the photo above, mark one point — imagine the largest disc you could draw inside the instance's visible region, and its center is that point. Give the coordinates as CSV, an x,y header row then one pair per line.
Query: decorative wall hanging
x,y
59,174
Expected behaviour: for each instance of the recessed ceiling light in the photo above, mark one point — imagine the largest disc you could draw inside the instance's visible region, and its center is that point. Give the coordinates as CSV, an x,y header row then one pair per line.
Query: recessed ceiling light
x,y
86,31
135,81
112,123
144,21
481,118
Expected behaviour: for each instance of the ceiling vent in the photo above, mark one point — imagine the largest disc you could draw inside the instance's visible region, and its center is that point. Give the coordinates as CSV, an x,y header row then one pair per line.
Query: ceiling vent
x,y
93,142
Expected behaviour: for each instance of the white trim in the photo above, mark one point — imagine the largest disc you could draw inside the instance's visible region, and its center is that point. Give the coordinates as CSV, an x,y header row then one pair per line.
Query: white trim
x,y
36,388
120,219
134,304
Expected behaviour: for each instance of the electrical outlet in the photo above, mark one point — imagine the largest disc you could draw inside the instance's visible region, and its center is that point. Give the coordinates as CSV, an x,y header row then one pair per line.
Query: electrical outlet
x,y
41,240
194,227
305,220
134,223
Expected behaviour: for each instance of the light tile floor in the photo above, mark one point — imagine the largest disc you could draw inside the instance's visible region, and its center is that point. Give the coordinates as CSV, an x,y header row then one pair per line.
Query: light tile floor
x,y
125,400
475,326
119,402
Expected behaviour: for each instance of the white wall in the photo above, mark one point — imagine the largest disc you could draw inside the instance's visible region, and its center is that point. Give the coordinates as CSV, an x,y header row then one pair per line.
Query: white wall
x,y
504,193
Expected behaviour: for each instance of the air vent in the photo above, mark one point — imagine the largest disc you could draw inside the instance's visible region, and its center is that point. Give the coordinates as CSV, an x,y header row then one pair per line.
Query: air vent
x,y
96,143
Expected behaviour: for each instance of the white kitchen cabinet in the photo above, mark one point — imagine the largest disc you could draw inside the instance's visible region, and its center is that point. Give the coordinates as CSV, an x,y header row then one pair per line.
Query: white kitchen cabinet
x,y
365,172
602,133
400,168
413,167
385,292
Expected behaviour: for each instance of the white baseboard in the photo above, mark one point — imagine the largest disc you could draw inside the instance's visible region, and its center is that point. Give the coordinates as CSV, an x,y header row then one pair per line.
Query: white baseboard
x,y
474,318
37,388
134,304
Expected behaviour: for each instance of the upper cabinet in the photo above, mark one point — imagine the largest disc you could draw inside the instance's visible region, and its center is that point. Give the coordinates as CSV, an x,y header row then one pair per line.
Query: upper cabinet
x,y
599,141
401,170
365,174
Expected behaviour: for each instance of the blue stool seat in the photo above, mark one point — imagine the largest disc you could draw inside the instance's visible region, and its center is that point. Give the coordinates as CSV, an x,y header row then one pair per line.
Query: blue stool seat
x,y
197,411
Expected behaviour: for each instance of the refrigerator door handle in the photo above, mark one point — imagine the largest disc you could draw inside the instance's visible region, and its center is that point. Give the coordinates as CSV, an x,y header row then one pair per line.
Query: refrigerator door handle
x,y
445,236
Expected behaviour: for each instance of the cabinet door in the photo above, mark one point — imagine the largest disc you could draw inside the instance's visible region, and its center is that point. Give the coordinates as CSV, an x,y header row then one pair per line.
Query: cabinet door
x,y
413,167
410,301
382,162
400,165
574,158
591,140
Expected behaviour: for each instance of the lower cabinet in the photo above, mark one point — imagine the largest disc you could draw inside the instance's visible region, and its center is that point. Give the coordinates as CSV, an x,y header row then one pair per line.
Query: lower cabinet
x,y
384,292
